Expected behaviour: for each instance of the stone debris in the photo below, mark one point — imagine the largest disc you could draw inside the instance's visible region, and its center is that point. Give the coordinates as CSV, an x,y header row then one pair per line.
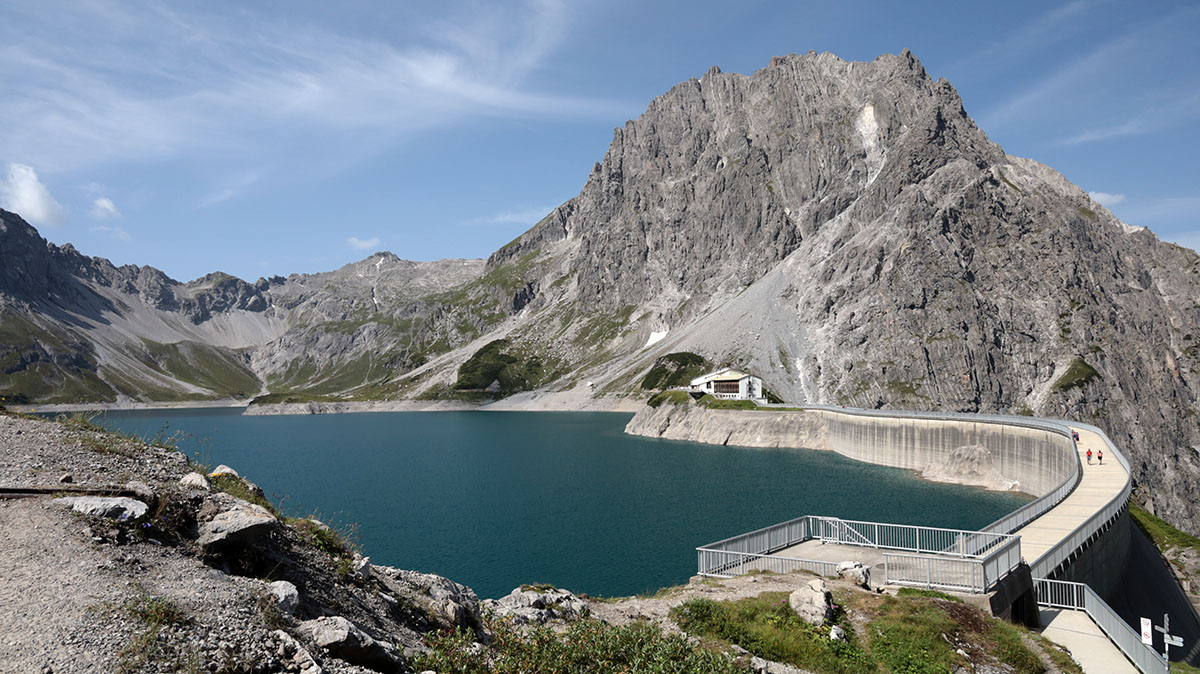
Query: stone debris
x,y
538,606
298,657
113,507
856,572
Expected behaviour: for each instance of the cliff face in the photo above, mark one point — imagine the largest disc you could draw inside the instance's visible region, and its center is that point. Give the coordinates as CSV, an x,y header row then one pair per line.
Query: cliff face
x,y
843,230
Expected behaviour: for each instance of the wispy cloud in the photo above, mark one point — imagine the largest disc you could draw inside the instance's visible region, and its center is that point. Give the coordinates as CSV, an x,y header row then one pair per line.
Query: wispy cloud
x,y
1047,28
1107,200
526,216
362,244
24,194
114,232
104,209
157,82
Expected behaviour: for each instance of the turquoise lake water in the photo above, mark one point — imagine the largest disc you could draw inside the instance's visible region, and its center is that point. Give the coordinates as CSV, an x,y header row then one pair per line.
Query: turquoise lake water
x,y
497,499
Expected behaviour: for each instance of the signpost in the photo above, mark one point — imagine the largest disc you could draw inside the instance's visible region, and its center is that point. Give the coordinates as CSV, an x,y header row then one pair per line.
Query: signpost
x,y
1147,634
1169,639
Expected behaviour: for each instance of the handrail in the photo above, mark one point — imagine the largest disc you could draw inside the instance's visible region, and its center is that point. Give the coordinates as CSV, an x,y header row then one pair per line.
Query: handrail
x,y
1078,596
1052,559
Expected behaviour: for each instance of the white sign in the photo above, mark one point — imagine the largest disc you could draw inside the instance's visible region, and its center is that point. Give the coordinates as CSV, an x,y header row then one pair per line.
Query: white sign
x,y
1146,633
1173,640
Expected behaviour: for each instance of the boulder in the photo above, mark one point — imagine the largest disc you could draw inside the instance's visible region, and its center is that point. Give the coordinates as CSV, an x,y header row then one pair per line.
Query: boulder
x,y
452,603
115,507
66,479
223,470
856,572
225,520
287,597
813,602
194,481
836,633
361,568
345,640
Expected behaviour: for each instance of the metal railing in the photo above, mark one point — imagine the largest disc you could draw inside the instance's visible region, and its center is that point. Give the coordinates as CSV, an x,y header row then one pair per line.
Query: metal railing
x,y
724,564
1078,596
977,575
982,557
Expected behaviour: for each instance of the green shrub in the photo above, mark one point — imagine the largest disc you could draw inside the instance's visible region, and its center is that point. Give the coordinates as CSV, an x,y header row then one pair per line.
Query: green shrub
x,y
675,369
766,626
586,646
1078,374
671,397
922,592
498,361
723,404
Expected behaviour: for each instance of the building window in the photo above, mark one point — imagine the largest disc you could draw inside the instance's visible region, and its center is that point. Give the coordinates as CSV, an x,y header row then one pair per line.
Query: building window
x,y
727,387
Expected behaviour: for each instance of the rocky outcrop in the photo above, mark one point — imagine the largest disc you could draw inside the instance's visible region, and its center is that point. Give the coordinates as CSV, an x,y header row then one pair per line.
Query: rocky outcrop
x,y
842,229
758,428
345,640
531,605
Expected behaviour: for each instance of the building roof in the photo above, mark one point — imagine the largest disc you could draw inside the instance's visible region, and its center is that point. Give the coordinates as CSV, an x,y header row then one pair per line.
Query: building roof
x,y
724,374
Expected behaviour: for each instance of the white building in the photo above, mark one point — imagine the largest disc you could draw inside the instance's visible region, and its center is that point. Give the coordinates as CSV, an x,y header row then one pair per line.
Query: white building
x,y
729,384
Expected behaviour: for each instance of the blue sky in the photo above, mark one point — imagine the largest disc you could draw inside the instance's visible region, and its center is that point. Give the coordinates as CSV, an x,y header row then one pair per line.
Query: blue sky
x,y
263,138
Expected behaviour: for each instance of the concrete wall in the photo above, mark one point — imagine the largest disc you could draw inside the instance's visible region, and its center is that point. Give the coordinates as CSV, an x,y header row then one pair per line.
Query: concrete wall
x,y
991,455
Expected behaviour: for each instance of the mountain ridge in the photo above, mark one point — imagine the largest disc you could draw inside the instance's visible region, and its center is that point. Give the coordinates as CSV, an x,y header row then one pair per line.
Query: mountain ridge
x,y
843,229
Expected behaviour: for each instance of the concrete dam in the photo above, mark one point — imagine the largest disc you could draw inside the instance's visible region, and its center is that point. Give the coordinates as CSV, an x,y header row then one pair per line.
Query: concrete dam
x,y
1070,562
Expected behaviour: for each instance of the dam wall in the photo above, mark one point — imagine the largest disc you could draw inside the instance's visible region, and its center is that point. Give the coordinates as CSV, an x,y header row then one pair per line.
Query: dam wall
x,y
994,453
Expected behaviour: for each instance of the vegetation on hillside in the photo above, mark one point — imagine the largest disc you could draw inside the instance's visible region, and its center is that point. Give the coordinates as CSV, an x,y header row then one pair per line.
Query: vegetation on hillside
x,y
586,646
675,369
911,633
1077,374
500,362
669,397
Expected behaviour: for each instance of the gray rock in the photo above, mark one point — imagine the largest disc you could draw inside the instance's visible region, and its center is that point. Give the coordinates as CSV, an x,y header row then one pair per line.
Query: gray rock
x,y
836,633
113,507
759,665
66,479
526,605
224,520
194,481
454,604
142,491
293,652
345,640
856,572
813,602
287,597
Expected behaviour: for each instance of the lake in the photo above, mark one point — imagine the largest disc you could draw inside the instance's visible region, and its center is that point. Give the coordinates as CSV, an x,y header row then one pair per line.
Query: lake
x,y
497,499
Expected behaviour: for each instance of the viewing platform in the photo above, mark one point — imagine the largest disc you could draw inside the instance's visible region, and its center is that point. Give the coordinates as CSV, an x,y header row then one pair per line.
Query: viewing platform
x,y
1078,502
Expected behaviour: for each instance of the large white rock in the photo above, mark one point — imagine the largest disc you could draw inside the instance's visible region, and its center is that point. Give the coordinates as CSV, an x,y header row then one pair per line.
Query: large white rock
x,y
856,572
224,470
287,597
813,602
194,481
115,507
538,606
224,520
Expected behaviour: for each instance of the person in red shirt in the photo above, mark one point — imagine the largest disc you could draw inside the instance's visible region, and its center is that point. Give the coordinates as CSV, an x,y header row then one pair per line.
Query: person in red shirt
x,y
1089,455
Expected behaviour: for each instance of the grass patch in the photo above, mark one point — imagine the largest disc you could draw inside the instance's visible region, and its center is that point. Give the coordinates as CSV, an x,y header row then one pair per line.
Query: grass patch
x,y
675,369
146,649
322,536
921,592
1008,182
1077,375
669,397
1163,534
722,404
1087,213
766,626
237,487
586,646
